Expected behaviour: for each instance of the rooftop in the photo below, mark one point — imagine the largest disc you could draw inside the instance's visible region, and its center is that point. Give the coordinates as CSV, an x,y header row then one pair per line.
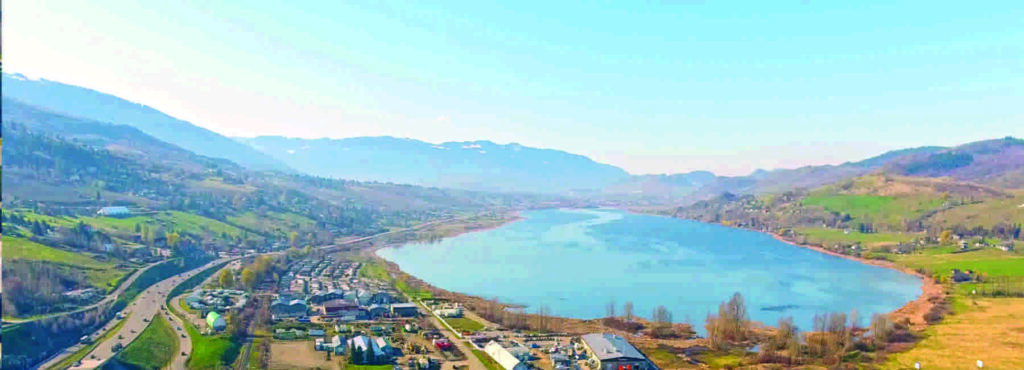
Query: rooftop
x,y
610,346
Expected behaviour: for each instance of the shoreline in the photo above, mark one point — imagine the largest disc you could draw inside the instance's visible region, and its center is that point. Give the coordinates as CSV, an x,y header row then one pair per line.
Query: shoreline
x,y
913,310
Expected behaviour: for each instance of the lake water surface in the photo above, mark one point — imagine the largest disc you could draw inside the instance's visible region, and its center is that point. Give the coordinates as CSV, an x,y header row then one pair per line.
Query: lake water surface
x,y
576,261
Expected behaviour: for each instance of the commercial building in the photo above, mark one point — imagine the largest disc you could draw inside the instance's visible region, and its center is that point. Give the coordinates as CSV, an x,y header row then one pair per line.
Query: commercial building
x,y
613,352
281,309
404,309
503,357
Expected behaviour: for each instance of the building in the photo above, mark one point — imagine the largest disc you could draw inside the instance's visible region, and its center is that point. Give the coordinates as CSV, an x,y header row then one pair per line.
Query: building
x,y
327,296
377,310
404,309
504,357
372,354
455,311
113,211
341,307
216,322
281,309
613,352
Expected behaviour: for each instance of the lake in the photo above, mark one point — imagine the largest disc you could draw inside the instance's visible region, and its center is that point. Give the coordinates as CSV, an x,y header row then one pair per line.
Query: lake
x,y
576,261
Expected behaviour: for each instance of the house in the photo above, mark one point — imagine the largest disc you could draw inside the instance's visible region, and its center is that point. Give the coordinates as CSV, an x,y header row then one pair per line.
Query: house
x,y
338,344
382,298
281,309
377,310
962,276
369,349
503,357
613,352
341,308
113,211
216,322
327,296
385,346
404,310
316,332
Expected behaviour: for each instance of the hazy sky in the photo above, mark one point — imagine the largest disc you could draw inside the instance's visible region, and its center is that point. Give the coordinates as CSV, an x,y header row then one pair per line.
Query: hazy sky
x,y
726,86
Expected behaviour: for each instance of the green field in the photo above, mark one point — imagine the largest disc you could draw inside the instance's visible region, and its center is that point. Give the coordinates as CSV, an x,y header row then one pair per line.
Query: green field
x,y
887,210
464,324
943,260
169,220
101,274
489,362
153,349
985,214
823,236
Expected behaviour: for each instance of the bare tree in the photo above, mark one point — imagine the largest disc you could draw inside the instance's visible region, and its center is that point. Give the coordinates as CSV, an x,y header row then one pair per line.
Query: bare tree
x,y
627,310
610,308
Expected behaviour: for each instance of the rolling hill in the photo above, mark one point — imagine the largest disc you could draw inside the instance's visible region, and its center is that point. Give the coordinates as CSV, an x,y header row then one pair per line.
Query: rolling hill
x,y
473,165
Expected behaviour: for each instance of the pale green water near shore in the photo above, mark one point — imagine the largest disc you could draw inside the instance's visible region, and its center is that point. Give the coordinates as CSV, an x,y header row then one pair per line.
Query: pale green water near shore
x,y
576,261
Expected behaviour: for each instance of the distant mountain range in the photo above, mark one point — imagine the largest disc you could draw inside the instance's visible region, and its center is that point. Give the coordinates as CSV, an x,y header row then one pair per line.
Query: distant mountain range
x,y
93,105
474,165
487,166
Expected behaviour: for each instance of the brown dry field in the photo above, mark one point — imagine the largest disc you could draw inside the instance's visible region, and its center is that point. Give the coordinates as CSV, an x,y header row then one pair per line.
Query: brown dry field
x,y
991,331
300,355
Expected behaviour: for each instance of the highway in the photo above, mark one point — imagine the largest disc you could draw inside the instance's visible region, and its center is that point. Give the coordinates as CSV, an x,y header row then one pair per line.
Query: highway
x,y
142,310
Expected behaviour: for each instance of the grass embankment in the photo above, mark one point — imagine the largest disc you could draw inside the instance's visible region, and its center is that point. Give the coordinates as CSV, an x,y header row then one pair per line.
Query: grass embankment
x,y
153,349
376,269
101,274
277,223
254,354
489,362
989,329
81,353
464,324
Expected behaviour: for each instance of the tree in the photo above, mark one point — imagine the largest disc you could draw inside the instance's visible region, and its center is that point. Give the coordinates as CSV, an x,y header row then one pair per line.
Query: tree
x,y
945,237
293,239
627,310
172,239
227,279
611,308
248,278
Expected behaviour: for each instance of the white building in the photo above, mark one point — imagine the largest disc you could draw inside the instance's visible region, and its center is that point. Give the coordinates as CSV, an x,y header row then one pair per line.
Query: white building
x,y
504,357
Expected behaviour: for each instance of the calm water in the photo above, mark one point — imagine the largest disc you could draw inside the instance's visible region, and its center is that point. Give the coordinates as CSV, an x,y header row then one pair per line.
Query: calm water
x,y
576,261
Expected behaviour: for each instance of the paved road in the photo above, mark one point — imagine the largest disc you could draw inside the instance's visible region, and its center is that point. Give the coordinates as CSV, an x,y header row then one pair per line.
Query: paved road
x,y
143,310
184,343
109,298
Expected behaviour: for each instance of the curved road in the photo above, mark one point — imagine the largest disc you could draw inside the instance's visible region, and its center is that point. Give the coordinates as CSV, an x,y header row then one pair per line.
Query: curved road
x,y
142,310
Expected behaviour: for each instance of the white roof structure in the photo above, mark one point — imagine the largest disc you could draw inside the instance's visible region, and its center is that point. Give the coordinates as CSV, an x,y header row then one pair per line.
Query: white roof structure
x,y
503,356
610,346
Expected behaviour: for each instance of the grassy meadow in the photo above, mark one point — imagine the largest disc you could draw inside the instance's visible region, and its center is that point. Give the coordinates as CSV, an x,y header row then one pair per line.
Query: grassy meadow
x,y
989,329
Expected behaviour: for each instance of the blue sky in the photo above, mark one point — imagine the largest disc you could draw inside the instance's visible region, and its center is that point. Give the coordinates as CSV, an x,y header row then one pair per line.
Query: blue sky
x,y
653,88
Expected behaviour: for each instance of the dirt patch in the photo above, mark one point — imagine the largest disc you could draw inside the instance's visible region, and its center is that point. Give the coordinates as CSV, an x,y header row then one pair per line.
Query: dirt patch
x,y
300,355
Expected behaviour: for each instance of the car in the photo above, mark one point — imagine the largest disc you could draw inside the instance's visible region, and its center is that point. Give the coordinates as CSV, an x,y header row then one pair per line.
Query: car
x,y
183,335
183,354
